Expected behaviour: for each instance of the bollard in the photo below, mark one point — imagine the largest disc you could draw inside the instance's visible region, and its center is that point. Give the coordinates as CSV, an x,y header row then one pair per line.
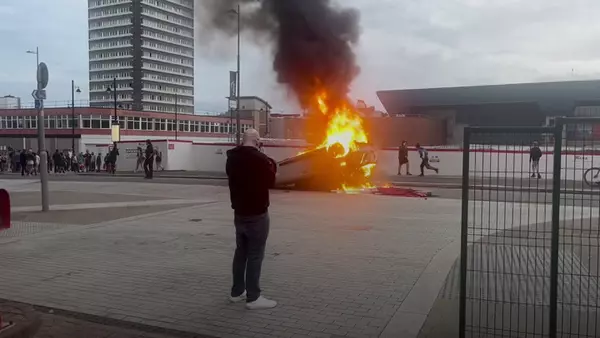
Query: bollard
x,y
4,209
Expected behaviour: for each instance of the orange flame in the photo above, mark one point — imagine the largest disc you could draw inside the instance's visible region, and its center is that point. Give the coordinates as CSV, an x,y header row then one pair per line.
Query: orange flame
x,y
345,127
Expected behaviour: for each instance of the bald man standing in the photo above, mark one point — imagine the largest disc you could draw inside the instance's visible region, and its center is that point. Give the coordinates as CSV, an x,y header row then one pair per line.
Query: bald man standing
x,y
251,174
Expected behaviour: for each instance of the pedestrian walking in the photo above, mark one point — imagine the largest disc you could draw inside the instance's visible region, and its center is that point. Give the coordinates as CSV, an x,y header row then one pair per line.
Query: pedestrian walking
x,y
23,161
424,154
36,166
139,163
251,174
99,162
159,160
112,159
535,154
403,158
149,161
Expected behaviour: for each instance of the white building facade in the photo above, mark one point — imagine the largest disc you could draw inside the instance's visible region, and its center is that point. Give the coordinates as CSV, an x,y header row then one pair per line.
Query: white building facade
x,y
10,102
148,47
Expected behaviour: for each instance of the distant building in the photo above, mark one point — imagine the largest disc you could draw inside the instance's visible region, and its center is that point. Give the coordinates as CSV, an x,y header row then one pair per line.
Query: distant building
x,y
91,127
148,46
256,109
523,104
10,102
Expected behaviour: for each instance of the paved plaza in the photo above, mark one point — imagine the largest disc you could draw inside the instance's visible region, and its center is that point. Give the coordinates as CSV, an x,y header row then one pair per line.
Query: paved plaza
x,y
159,255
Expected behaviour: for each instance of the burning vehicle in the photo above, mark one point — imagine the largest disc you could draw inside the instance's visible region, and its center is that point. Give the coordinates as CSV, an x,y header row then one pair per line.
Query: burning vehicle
x,y
344,161
324,169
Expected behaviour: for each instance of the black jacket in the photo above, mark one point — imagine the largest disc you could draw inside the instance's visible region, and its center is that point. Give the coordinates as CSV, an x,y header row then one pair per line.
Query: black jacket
x,y
251,174
149,151
535,154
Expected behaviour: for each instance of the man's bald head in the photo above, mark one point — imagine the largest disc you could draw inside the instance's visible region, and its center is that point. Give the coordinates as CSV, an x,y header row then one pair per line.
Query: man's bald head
x,y
251,138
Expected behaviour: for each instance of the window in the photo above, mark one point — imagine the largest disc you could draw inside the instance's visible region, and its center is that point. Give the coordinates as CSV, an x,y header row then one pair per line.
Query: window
x,y
105,122
95,122
145,124
130,123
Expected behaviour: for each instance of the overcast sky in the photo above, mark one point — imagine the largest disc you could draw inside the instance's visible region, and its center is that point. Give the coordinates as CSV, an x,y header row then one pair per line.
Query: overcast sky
x,y
405,44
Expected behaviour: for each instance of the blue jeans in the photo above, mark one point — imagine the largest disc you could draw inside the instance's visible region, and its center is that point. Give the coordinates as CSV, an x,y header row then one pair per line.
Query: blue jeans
x,y
251,234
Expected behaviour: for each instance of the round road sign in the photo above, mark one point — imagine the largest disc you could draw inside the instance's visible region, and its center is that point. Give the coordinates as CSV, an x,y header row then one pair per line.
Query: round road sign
x,y
42,75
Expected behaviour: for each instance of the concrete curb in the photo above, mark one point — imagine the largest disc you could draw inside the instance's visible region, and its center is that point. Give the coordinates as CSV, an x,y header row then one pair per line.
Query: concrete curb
x,y
411,315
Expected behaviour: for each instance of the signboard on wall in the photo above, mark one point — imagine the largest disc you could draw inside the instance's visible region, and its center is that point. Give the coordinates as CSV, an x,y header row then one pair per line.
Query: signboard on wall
x,y
131,149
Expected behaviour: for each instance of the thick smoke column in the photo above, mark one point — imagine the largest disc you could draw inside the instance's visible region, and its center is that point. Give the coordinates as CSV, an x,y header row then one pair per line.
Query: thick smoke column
x,y
312,40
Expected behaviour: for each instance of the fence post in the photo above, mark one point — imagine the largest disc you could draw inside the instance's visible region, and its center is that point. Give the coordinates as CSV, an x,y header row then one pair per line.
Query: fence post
x,y
558,135
464,232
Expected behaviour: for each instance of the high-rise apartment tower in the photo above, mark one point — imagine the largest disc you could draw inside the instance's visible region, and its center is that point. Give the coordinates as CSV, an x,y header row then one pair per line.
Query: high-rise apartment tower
x,y
148,46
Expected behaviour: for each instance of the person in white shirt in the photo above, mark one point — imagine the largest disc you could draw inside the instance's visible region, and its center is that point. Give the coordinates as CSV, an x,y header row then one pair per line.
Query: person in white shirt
x,y
424,154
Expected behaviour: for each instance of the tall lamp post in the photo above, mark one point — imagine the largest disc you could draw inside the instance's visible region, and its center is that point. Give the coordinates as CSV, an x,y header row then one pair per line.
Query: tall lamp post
x,y
73,91
40,95
115,126
176,119
37,54
239,41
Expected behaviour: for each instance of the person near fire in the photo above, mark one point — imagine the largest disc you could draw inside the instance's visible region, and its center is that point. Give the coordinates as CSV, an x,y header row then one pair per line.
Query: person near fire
x,y
403,158
251,174
535,154
424,154
149,160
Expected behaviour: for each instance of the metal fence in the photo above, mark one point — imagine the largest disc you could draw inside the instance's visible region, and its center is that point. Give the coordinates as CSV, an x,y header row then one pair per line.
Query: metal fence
x,y
530,233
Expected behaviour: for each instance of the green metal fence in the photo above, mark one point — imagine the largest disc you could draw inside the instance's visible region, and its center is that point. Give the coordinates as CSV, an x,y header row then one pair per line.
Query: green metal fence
x,y
530,232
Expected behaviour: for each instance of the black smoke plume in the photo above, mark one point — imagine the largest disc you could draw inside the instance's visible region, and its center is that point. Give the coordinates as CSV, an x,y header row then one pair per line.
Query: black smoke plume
x,y
312,40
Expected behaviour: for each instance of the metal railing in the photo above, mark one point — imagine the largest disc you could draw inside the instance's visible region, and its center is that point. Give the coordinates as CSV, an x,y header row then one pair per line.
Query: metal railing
x,y
530,240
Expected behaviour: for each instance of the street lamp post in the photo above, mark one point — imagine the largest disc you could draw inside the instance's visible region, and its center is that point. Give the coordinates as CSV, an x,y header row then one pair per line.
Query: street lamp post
x,y
176,119
239,77
115,125
40,95
37,54
73,90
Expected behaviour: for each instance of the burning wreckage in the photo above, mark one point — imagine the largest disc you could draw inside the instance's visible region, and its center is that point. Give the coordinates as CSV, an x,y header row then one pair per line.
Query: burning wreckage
x,y
344,161
325,169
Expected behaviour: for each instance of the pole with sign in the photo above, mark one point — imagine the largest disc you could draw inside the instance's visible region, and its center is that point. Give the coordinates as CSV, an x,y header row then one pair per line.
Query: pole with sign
x,y
232,101
40,95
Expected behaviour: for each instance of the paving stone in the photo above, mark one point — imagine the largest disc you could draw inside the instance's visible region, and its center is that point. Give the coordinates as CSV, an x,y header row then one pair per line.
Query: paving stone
x,y
165,270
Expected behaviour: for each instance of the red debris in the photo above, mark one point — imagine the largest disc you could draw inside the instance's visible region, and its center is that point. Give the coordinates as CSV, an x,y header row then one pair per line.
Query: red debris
x,y
402,192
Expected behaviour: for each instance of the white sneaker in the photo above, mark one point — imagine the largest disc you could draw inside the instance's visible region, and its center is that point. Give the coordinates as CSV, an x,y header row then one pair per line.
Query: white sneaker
x,y
261,303
238,299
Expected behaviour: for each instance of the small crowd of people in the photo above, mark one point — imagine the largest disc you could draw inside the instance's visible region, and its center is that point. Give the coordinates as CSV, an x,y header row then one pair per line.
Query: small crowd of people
x,y
27,161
